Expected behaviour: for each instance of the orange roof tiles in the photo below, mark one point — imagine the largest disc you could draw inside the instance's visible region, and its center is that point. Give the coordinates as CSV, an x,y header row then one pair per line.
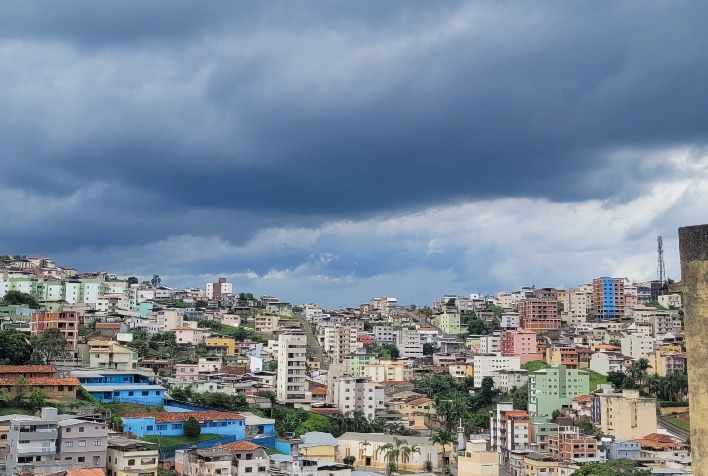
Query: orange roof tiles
x,y
319,391
582,398
395,382
86,472
107,325
516,413
658,441
36,381
26,369
324,411
175,417
240,446
606,346
419,401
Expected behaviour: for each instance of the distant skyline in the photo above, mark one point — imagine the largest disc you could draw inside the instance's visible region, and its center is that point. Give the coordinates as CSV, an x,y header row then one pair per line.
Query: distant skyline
x,y
331,152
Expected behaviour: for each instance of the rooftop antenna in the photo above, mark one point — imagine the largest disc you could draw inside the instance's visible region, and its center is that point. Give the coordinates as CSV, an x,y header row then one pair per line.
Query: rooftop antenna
x,y
660,269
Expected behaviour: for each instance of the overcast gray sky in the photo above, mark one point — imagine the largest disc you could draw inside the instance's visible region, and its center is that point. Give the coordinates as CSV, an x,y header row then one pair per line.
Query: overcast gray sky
x,y
331,151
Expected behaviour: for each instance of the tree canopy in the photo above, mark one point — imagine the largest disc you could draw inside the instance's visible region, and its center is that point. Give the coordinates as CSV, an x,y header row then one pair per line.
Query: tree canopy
x,y
618,467
49,345
18,298
14,348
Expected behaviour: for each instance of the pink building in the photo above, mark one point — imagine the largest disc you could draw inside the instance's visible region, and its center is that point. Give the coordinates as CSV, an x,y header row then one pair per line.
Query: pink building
x,y
188,335
187,372
539,314
520,342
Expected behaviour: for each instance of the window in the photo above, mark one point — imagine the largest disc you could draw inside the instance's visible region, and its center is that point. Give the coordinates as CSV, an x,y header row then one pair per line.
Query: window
x,y
82,443
130,394
96,442
149,428
81,459
69,444
145,393
131,462
81,429
249,470
161,427
96,460
68,430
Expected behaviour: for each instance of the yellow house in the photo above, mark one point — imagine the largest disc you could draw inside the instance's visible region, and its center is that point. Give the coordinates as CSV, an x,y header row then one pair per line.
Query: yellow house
x,y
221,345
477,461
109,355
130,457
538,463
320,446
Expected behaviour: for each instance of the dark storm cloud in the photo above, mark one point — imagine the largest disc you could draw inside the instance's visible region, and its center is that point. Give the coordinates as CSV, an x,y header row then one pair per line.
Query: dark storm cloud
x,y
296,113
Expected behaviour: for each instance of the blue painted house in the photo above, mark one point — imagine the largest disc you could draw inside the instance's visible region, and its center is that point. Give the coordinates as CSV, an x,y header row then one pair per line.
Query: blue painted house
x,y
259,430
172,423
123,386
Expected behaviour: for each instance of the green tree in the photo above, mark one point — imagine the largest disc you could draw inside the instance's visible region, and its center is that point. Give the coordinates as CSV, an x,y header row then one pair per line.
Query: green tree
x,y
14,348
349,460
140,346
520,397
428,466
555,415
36,400
49,345
192,428
477,326
18,298
487,392
617,467
394,451
132,280
428,349
368,326
155,281
443,437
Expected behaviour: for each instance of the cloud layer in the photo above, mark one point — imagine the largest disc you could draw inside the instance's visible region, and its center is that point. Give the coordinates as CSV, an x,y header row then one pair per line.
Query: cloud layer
x,y
329,151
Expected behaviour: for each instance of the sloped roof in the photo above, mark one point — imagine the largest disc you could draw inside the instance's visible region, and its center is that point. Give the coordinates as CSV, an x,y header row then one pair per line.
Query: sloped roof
x,y
317,438
177,417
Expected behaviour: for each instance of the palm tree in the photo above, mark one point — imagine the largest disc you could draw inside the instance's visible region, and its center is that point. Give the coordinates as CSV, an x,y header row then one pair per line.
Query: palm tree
x,y
443,437
393,451
407,451
358,421
362,451
654,384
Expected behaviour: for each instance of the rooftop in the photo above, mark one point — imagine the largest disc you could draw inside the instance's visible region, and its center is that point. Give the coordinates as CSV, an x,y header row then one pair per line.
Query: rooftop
x,y
21,369
174,417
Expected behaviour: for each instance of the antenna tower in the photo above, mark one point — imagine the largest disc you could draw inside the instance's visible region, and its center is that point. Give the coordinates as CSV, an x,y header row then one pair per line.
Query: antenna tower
x,y
660,269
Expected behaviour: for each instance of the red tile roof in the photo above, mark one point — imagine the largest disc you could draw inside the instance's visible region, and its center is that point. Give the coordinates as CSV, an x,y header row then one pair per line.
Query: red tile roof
x,y
175,417
324,411
37,381
396,382
26,369
419,401
319,391
659,441
86,472
107,325
240,446
582,399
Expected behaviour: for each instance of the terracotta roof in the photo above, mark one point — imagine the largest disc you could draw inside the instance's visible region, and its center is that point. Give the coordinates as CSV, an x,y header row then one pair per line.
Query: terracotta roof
x,y
324,411
418,401
606,346
233,370
319,391
516,413
418,427
240,446
86,472
174,417
107,325
36,381
23,369
582,398
395,382
658,441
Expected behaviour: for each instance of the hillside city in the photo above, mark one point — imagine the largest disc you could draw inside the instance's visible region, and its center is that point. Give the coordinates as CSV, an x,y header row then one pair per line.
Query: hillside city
x,y
109,375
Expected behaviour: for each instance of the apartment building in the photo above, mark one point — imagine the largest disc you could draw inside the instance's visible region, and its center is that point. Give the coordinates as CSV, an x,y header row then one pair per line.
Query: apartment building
x,y
292,362
510,321
490,344
577,305
107,354
664,362
32,442
66,321
509,430
449,322
569,444
507,380
670,301
339,342
566,356
539,315
624,415
662,322
608,297
554,388
352,394
488,365
128,457
520,342
266,323
168,319
83,442
637,346
409,343
220,345
216,290
385,371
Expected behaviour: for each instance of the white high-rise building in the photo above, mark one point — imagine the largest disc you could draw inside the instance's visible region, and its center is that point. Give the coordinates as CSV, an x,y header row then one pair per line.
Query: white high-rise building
x,y
352,394
292,370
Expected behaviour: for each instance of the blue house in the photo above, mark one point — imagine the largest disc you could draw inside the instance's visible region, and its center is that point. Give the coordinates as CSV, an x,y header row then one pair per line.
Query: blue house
x,y
259,430
123,386
172,423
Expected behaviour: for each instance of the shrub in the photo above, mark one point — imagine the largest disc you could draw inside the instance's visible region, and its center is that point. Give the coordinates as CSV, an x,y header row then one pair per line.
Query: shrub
x,y
192,428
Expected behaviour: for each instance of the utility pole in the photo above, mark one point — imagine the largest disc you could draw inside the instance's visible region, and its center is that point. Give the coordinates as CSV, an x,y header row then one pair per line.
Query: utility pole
x,y
660,268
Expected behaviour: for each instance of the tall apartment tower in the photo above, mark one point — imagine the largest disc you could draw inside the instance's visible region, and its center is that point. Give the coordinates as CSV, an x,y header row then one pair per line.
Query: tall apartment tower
x,y
539,315
292,370
608,297
219,288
